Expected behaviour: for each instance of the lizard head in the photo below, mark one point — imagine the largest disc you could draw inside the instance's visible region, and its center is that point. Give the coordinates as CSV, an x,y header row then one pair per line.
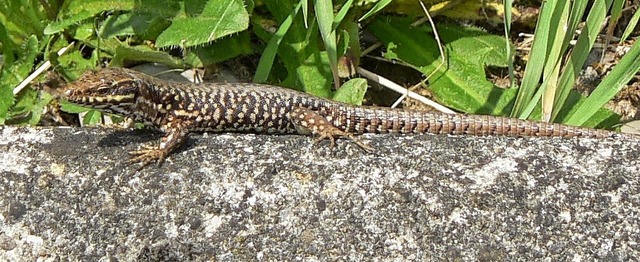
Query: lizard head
x,y
112,90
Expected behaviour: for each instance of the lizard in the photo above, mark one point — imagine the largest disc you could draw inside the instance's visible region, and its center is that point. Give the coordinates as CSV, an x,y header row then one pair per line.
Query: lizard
x,y
177,109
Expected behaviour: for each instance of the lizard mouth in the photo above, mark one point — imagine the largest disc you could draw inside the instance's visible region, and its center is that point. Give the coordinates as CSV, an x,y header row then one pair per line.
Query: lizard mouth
x,y
75,97
118,104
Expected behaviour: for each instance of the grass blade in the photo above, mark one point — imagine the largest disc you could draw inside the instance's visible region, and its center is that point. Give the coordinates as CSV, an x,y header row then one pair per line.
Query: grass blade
x,y
609,87
377,8
578,56
324,16
268,56
535,65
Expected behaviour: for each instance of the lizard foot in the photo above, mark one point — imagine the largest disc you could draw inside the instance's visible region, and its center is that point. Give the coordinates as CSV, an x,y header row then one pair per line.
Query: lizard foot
x,y
147,155
332,133
175,136
307,121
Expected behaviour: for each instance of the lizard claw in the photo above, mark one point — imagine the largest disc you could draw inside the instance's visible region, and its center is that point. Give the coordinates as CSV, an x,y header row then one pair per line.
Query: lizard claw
x,y
147,155
331,137
362,145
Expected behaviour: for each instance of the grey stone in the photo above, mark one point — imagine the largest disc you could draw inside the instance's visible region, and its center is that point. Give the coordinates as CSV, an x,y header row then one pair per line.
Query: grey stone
x,y
69,194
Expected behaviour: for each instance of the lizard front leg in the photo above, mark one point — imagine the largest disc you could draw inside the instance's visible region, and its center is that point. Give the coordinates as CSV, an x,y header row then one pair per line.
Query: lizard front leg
x,y
309,122
175,135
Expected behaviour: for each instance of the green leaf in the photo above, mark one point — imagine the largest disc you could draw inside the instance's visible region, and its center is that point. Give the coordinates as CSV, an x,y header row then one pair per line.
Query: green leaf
x,y
59,26
304,5
609,87
146,26
307,67
39,108
8,46
633,22
220,50
537,61
22,18
377,8
269,54
554,61
143,53
352,92
77,11
602,118
219,18
341,14
578,56
460,83
508,4
73,63
312,74
86,33
29,107
72,108
324,16
92,118
14,73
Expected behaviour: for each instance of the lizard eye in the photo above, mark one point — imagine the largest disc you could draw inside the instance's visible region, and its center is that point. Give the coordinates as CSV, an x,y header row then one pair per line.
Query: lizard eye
x,y
104,88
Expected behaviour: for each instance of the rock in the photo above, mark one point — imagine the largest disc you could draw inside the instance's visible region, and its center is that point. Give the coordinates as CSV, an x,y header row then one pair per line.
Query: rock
x,y
68,194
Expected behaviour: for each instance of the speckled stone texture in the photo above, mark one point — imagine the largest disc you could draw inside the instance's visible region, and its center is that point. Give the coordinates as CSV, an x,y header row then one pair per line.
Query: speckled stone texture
x,y
68,194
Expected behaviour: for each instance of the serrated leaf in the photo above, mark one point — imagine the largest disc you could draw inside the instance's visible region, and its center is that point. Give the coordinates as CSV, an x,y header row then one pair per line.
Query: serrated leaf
x,y
59,26
219,18
85,32
22,19
38,108
8,46
74,63
352,92
29,107
80,10
14,73
24,102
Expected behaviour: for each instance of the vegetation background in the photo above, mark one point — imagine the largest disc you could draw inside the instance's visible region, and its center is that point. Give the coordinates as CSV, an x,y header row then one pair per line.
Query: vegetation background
x,y
477,57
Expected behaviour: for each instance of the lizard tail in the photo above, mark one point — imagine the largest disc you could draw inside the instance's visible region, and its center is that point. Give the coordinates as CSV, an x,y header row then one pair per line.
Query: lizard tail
x,y
387,120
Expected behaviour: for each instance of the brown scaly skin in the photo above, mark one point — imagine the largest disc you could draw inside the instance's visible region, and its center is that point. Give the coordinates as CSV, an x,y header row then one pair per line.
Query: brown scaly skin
x,y
179,108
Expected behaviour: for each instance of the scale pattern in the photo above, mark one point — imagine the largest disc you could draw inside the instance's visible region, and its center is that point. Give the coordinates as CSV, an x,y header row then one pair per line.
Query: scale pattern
x,y
179,108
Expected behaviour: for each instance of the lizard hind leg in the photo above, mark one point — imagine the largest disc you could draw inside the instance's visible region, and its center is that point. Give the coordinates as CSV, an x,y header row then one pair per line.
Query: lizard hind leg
x,y
309,122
